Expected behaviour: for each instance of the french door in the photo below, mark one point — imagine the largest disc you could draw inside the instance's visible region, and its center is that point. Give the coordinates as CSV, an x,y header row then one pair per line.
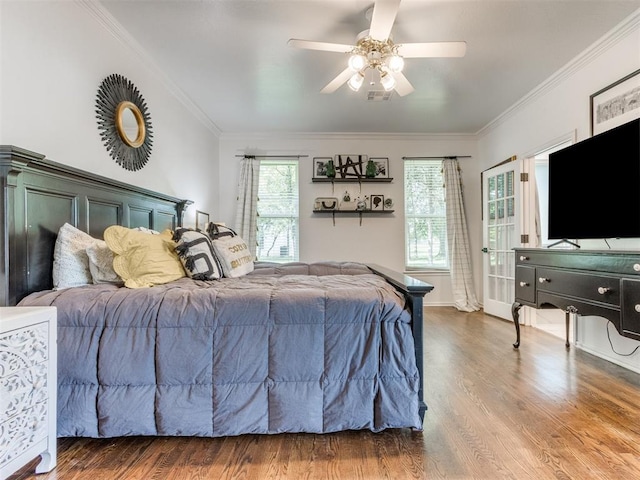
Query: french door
x,y
501,233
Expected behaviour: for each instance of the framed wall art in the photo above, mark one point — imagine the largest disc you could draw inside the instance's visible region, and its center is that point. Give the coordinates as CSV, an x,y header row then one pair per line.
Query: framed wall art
x,y
616,104
320,166
382,166
202,219
350,166
377,202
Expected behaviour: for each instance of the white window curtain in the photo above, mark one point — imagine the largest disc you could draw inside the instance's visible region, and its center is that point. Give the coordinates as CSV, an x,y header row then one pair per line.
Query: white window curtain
x,y
464,295
247,202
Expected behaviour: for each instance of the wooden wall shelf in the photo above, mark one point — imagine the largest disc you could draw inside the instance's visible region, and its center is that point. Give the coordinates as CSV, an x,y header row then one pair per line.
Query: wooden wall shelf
x,y
360,213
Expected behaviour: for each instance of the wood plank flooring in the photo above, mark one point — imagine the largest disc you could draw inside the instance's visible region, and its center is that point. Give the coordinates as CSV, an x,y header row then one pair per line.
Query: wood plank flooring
x,y
540,412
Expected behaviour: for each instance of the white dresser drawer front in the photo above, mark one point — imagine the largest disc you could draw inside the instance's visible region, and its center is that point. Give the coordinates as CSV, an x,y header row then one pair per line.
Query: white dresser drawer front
x,y
22,390
20,432
23,348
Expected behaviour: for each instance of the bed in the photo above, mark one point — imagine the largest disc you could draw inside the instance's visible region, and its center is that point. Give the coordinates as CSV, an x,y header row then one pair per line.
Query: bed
x,y
301,347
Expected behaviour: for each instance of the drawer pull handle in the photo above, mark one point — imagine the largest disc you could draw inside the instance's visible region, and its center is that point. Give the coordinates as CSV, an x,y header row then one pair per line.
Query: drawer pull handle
x,y
523,258
603,290
637,307
636,267
524,284
542,279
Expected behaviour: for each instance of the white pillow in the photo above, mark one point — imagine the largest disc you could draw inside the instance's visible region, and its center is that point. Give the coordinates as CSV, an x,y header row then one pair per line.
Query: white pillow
x,y
70,259
101,264
234,256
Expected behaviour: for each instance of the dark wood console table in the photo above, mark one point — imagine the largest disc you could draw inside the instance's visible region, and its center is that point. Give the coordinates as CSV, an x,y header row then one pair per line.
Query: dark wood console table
x,y
603,283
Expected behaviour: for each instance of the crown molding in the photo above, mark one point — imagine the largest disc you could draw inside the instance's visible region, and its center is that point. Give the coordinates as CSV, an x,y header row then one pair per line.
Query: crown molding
x,y
417,137
110,24
628,26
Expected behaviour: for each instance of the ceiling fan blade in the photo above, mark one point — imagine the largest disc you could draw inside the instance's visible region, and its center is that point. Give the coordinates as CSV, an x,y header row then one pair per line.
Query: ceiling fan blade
x,y
324,46
334,84
403,86
384,14
432,49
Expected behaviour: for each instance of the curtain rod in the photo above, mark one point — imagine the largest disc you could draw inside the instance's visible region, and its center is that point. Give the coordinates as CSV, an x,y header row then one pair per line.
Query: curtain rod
x,y
440,156
271,156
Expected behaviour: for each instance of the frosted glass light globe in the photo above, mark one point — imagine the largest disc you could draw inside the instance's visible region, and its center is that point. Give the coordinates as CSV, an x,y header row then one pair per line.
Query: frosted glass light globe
x,y
396,63
355,82
357,62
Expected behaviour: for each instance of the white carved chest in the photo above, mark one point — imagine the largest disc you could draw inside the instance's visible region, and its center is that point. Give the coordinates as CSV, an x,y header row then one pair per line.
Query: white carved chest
x,y
28,379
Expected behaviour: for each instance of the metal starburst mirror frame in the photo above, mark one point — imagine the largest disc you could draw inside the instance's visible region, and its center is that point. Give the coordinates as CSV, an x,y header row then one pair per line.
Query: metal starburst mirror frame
x,y
117,95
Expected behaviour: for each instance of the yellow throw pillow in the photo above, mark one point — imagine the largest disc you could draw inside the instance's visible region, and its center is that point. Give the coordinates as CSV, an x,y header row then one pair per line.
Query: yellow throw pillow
x,y
143,260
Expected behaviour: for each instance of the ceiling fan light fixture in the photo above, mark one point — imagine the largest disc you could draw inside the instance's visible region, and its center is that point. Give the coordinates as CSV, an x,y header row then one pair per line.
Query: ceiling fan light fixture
x,y
356,81
395,63
387,81
357,62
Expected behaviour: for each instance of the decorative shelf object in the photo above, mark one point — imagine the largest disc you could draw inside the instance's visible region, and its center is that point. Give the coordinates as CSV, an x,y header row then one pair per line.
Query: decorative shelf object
x,y
350,180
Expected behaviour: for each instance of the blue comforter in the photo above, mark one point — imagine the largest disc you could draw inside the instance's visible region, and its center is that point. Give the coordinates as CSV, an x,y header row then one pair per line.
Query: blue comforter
x,y
325,348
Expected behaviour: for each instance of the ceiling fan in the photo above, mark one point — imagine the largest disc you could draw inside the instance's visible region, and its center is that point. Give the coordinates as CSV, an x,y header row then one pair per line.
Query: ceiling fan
x,y
374,50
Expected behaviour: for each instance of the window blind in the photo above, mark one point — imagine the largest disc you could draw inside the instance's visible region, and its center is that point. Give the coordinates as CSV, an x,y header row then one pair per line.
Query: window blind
x,y
278,211
425,215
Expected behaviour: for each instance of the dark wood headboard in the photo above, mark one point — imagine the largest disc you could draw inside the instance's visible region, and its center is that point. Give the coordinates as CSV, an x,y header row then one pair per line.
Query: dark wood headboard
x,y
39,196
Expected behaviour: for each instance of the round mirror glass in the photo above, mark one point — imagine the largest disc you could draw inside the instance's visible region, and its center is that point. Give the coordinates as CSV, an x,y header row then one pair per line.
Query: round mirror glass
x,y
130,124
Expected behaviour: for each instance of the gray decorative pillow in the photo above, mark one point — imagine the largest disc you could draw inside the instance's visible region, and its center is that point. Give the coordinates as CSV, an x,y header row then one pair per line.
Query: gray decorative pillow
x,y
101,264
196,254
70,260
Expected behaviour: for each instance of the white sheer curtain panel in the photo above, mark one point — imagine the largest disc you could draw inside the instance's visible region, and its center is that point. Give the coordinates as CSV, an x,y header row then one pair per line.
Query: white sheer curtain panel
x,y
247,203
464,295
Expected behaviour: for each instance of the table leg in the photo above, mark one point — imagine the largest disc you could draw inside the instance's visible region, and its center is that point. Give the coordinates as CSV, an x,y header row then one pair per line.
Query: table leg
x,y
515,312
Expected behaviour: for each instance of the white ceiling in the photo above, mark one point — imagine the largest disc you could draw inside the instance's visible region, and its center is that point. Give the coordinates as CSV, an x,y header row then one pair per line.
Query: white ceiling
x,y
231,58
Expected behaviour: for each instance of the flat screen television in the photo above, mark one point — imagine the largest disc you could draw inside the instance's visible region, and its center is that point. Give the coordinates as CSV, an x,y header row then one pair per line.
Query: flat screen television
x,y
594,186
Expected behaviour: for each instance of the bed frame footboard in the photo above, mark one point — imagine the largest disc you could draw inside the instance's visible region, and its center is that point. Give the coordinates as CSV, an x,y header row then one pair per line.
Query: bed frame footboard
x,y
414,291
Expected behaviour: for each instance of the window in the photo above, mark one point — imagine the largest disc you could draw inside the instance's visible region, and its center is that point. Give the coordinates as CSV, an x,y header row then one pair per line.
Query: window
x,y
278,211
425,215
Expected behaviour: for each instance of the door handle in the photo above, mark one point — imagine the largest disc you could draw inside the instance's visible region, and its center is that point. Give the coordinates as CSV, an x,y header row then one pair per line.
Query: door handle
x,y
485,250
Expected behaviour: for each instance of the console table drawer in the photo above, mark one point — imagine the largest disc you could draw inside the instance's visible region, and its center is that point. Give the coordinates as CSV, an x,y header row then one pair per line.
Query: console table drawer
x,y
526,283
631,308
624,263
598,288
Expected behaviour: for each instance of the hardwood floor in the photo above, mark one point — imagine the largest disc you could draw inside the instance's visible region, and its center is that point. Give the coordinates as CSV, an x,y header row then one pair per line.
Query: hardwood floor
x,y
540,412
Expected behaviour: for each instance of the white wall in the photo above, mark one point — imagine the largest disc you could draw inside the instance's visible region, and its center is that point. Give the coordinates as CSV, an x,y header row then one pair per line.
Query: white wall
x,y
558,108
380,239
53,57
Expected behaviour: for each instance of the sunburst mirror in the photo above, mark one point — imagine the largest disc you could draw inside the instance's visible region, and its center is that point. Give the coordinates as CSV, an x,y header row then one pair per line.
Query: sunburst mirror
x,y
124,122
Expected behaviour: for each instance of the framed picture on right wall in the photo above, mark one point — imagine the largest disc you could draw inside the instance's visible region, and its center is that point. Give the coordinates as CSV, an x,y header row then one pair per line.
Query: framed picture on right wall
x,y
616,104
